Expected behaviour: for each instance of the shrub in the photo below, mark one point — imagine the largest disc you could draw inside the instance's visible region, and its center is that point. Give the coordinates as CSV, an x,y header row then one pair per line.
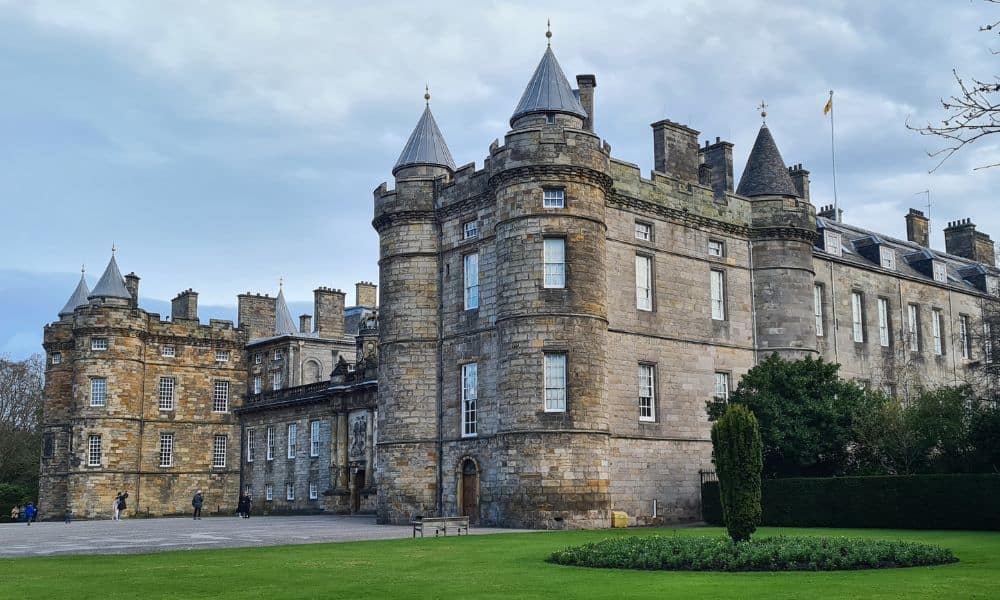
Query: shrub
x,y
965,501
736,450
683,553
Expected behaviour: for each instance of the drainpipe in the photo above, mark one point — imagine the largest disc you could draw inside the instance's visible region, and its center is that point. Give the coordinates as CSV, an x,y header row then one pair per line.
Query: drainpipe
x,y
753,307
440,379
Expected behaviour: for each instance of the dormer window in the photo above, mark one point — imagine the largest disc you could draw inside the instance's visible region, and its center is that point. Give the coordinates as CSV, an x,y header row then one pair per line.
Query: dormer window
x,y
831,243
550,118
992,286
887,258
940,272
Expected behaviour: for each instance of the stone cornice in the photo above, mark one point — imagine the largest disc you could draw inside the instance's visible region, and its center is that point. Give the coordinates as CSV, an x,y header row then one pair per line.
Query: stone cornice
x,y
534,172
677,216
464,205
401,217
785,233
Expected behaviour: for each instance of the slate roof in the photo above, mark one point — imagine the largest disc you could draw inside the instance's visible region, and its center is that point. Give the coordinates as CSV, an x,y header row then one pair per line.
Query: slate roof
x,y
765,173
111,284
906,252
548,91
284,324
79,297
426,146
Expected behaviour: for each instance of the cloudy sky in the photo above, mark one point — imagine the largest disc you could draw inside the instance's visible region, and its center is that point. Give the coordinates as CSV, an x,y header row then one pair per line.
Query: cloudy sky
x,y
225,144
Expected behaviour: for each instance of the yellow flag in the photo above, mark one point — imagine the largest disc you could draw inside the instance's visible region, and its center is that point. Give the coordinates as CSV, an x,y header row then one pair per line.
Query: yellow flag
x,y
829,106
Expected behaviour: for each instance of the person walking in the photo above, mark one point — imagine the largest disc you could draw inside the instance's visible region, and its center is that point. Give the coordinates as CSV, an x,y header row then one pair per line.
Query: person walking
x,y
246,513
67,516
116,507
196,502
29,512
121,503
15,513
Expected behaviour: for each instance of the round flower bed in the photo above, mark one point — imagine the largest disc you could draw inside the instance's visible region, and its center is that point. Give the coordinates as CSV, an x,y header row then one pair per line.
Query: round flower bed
x,y
685,553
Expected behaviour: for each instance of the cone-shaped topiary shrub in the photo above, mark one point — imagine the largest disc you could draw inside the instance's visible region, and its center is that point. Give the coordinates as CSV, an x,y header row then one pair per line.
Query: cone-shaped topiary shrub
x,y
736,450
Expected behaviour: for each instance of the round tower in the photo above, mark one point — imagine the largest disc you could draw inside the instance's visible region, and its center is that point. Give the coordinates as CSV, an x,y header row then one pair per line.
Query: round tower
x,y
783,233
550,180
409,317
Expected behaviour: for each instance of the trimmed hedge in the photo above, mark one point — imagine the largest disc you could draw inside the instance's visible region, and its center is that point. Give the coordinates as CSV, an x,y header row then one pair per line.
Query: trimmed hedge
x,y
803,553
966,501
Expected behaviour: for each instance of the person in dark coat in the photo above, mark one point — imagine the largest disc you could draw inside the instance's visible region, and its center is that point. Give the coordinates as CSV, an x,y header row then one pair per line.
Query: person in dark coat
x,y
243,507
196,502
30,512
121,504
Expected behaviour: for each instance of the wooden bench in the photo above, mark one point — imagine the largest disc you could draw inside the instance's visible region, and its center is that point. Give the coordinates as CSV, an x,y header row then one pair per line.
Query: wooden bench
x,y
440,525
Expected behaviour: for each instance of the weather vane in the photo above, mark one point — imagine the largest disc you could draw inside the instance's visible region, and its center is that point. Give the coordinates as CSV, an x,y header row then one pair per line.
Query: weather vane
x,y
763,111
548,30
427,94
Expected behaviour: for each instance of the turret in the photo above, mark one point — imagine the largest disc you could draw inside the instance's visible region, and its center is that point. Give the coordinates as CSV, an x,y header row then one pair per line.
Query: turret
x,y
77,298
549,99
110,288
783,231
409,269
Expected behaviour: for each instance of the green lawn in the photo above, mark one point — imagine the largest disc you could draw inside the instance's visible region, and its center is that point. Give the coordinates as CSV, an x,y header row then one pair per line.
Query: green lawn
x,y
496,566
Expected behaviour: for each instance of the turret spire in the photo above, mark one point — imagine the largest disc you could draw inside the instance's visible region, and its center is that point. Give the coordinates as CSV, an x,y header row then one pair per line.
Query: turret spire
x,y
111,284
284,324
426,145
548,91
765,173
79,296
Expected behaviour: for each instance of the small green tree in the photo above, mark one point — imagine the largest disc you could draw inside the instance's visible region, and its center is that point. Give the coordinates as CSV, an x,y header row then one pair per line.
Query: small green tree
x,y
736,450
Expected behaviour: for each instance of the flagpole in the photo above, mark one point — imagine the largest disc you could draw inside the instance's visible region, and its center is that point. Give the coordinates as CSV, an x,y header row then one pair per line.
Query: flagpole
x,y
833,160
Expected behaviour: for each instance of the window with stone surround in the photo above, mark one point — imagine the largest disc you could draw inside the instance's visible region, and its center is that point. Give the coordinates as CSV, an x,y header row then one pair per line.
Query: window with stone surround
x,y
471,274
818,308
857,317
314,439
936,331
166,393
721,386
643,282
887,258
647,392
278,354
269,435
470,229
56,358
644,231
251,451
550,118
166,449
313,491
219,451
293,430
94,451
718,280
99,343
555,382
289,492
987,342
222,356
554,198
832,243
257,384
470,396
716,248
168,351
268,492
98,391
276,380
554,258
914,322
884,329
220,396
248,490
963,336
940,272
258,358
48,445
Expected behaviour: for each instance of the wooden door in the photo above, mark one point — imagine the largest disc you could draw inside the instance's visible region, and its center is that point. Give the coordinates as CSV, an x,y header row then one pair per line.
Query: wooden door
x,y
470,491
359,483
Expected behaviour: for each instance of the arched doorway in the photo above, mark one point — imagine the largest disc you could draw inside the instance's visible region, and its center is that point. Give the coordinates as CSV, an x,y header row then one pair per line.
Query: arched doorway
x,y
470,490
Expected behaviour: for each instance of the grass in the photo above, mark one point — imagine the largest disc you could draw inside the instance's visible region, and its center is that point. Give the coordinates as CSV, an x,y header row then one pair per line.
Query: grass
x,y
496,566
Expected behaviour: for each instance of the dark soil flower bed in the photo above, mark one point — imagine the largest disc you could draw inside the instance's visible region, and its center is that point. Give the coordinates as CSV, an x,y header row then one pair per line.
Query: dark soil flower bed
x,y
683,553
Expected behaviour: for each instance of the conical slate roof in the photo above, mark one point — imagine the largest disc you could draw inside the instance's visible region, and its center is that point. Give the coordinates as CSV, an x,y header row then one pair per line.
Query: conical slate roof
x,y
765,173
283,322
548,92
111,284
79,297
426,146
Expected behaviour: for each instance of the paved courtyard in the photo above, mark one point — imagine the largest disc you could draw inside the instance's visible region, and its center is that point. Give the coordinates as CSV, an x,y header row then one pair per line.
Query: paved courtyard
x,y
131,536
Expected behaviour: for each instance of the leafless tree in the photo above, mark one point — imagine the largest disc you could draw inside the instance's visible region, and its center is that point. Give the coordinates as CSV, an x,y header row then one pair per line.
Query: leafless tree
x,y
20,419
972,112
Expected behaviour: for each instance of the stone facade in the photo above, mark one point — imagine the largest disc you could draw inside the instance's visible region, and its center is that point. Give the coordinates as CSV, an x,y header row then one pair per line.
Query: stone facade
x,y
731,279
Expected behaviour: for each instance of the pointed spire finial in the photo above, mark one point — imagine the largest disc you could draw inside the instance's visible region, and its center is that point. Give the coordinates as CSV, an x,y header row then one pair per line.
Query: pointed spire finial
x,y
763,112
113,249
548,31
427,94
281,283
83,269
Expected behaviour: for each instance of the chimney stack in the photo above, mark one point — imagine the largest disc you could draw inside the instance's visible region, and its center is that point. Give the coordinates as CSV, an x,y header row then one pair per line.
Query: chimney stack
x,y
675,150
328,304
918,228
718,157
256,314
962,239
305,323
365,294
185,306
586,85
828,212
800,179
132,285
